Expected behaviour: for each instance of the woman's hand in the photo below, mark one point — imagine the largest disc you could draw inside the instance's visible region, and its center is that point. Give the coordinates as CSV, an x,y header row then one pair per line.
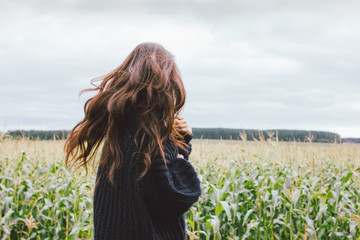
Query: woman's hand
x,y
182,126
180,156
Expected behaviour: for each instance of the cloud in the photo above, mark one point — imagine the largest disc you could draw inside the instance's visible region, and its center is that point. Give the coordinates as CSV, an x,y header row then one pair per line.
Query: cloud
x,y
253,64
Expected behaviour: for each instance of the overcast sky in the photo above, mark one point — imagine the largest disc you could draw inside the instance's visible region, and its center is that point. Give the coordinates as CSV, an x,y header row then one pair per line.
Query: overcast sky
x,y
261,64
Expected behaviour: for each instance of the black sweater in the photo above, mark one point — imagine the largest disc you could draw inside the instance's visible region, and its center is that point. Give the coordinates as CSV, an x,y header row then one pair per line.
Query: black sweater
x,y
150,208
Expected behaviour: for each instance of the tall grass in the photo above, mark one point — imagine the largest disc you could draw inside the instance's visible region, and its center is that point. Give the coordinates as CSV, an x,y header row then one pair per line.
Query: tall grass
x,y
251,190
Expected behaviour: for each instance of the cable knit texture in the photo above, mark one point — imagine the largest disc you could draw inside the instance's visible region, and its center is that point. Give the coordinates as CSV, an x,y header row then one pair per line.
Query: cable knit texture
x,y
150,208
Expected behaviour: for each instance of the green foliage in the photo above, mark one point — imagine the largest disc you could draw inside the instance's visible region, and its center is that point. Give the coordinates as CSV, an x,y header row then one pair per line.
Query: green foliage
x,y
272,201
240,200
40,202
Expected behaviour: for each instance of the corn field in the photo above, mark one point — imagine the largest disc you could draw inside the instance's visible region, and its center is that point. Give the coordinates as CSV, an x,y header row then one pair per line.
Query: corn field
x,y
251,190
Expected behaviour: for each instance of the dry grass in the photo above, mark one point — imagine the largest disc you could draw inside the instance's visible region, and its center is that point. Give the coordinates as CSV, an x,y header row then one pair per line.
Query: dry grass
x,y
287,153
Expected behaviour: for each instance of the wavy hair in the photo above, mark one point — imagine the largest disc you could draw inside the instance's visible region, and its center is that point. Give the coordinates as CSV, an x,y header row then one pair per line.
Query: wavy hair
x,y
147,88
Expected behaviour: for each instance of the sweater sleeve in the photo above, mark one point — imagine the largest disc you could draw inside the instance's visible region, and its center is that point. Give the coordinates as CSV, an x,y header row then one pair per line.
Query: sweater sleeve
x,y
171,189
187,151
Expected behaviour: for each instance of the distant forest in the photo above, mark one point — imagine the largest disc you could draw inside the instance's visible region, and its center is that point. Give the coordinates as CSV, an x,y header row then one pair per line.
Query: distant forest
x,y
216,133
351,140
281,134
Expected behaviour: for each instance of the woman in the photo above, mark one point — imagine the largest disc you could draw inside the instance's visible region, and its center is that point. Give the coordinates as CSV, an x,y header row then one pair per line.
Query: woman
x,y
144,182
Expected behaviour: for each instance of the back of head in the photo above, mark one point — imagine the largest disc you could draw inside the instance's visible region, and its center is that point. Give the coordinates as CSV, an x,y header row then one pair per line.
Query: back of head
x,y
147,89
147,86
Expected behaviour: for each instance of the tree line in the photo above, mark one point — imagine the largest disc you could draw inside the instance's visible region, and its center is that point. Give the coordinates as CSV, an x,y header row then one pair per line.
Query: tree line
x,y
351,140
38,134
209,133
279,134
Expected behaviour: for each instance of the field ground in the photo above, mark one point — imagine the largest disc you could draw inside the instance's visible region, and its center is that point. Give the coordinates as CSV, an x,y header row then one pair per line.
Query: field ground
x,y
251,190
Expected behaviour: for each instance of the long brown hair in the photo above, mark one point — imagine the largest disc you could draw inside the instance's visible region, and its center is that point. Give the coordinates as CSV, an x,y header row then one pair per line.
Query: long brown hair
x,y
146,87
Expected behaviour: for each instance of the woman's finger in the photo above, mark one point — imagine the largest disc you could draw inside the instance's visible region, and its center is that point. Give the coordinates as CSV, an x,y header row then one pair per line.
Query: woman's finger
x,y
184,125
181,125
187,130
179,121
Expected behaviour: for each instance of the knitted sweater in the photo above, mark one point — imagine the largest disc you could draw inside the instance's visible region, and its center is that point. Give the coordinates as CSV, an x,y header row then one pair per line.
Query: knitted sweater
x,y
152,207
